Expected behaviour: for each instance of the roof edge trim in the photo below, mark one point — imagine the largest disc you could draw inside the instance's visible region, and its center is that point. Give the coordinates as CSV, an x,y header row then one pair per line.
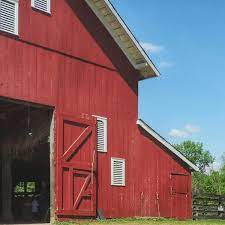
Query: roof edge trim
x,y
147,68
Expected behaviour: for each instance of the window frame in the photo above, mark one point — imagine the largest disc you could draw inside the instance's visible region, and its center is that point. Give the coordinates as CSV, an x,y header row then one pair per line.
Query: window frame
x,y
16,2
48,7
105,122
113,159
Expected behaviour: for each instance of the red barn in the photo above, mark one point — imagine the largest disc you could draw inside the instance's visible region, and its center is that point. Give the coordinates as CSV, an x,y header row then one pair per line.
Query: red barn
x,y
71,142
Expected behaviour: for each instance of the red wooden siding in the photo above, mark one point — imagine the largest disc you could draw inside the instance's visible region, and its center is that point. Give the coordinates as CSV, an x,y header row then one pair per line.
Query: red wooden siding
x,y
69,61
169,182
51,31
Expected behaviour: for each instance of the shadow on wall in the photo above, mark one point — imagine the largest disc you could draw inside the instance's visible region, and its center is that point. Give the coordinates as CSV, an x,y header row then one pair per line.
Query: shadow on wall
x,y
105,41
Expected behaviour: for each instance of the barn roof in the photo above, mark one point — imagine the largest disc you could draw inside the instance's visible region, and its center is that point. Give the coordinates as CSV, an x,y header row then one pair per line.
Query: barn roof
x,y
165,143
112,21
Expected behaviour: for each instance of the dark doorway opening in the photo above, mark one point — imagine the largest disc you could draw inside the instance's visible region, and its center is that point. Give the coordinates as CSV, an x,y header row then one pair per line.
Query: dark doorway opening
x,y
24,162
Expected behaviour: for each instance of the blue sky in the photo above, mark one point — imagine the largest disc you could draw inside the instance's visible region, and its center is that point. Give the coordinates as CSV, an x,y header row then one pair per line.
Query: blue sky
x,y
186,41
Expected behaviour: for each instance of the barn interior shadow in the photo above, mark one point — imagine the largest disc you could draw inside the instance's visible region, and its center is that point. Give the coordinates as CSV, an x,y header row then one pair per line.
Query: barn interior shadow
x,y
24,162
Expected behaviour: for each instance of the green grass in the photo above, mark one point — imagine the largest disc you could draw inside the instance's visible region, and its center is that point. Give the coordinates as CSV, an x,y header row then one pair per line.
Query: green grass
x,y
143,222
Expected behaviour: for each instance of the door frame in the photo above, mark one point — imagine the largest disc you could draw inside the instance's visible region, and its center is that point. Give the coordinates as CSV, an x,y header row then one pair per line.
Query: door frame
x,y
52,166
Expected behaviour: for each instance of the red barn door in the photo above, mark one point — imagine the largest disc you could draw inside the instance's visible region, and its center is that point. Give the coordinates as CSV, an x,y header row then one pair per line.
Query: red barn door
x,y
76,167
179,196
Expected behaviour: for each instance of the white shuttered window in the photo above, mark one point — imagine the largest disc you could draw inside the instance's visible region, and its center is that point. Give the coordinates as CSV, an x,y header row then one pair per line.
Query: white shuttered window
x,y
42,5
9,16
101,134
117,172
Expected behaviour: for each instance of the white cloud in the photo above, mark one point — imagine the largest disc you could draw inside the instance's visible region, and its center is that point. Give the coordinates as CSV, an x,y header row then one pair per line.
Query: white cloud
x,y
188,130
192,128
178,133
156,49
165,64
216,165
151,48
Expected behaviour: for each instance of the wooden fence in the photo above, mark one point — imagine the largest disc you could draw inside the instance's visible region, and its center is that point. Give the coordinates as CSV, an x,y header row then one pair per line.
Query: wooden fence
x,y
208,207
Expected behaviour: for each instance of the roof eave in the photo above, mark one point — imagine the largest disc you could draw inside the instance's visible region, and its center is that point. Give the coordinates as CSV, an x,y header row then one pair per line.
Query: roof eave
x,y
165,143
119,31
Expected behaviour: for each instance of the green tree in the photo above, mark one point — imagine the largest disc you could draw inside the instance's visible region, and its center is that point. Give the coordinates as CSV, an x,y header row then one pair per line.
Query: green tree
x,y
222,169
215,183
202,182
195,152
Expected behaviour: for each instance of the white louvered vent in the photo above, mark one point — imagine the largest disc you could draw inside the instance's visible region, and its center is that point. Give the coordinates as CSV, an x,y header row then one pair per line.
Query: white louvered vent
x,y
9,16
101,134
43,5
117,172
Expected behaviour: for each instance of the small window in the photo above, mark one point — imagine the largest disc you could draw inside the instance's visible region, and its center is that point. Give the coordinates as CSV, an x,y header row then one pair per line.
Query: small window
x,y
42,5
9,16
31,187
20,187
101,134
117,172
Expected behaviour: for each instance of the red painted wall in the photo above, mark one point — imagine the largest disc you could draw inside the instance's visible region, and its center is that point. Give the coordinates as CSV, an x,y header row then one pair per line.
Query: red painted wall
x,y
156,197
69,61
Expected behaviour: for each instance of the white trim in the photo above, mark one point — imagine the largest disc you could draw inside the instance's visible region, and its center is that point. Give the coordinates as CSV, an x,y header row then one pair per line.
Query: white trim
x,y
149,130
133,38
48,6
32,3
17,17
105,124
149,66
114,159
100,117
